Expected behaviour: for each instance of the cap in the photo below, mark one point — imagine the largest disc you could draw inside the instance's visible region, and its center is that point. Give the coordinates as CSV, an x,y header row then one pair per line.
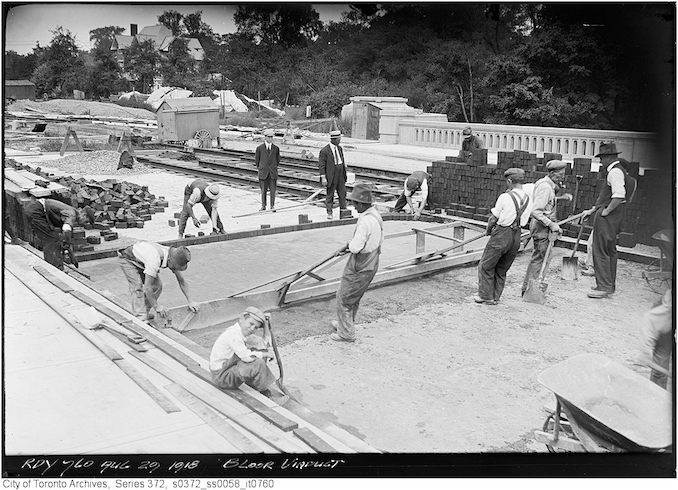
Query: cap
x,y
514,173
181,257
608,149
213,191
467,131
255,313
361,193
335,134
269,132
555,165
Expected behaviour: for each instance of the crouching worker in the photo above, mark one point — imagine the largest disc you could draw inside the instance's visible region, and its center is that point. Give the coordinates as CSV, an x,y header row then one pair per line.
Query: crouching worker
x,y
232,363
52,223
141,264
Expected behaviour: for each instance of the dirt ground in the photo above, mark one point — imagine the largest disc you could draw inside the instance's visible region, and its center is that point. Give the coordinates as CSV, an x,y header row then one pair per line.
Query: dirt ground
x,y
434,372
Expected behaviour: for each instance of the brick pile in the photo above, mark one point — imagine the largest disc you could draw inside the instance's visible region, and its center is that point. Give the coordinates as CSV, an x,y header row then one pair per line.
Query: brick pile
x,y
469,190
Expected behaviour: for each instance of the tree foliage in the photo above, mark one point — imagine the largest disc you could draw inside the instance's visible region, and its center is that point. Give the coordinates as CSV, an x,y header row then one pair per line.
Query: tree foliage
x,y
172,20
60,66
284,24
142,61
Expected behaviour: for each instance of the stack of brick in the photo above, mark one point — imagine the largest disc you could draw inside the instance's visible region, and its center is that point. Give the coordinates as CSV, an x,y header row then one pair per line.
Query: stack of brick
x,y
470,191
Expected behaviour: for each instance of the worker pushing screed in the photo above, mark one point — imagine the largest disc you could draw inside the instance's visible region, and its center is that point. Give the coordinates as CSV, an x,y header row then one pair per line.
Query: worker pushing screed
x,y
201,192
233,363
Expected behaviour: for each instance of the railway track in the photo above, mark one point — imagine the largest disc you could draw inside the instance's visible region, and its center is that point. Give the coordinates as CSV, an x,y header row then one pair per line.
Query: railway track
x,y
296,176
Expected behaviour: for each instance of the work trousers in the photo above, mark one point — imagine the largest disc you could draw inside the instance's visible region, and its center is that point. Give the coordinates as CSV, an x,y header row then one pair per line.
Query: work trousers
x,y
135,282
541,244
235,372
185,212
358,274
656,334
498,256
402,202
337,185
605,230
48,237
265,185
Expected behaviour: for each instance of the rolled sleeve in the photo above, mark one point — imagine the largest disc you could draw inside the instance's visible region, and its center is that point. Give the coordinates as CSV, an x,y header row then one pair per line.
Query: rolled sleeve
x,y
615,178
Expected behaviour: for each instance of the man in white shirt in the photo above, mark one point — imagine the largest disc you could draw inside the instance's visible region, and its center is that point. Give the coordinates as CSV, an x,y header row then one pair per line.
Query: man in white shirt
x,y
141,264
201,192
418,180
362,265
609,213
232,363
509,214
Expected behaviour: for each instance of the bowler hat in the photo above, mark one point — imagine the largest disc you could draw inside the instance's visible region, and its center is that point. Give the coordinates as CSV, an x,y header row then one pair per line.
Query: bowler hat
x,y
467,131
555,165
213,191
608,149
255,313
361,193
514,173
335,134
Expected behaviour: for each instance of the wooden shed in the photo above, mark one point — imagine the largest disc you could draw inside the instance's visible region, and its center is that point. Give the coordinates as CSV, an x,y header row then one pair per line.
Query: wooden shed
x,y
195,118
19,89
365,123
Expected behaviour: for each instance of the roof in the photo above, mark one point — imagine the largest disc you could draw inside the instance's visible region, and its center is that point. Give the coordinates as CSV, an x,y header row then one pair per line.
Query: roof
x,y
157,30
195,49
19,82
122,42
190,104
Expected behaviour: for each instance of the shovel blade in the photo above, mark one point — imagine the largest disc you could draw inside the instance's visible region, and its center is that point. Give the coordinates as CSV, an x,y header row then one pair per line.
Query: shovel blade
x,y
568,272
535,292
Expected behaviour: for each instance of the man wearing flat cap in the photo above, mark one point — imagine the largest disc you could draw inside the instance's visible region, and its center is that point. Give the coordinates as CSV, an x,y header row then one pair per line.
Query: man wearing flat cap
x,y
267,159
362,265
509,214
470,143
609,213
201,192
332,168
233,363
543,225
141,264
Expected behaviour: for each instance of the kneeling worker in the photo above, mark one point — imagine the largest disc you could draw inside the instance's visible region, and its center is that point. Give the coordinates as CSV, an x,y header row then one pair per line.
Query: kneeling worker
x,y
232,363
418,180
141,264
52,222
201,192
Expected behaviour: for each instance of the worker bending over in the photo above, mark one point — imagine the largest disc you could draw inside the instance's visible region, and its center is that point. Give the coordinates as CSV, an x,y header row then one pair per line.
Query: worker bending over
x,y
418,180
141,264
201,192
52,222
508,215
232,363
362,265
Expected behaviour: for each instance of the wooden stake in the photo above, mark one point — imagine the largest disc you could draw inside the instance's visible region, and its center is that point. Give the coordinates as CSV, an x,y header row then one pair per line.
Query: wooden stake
x,y
70,132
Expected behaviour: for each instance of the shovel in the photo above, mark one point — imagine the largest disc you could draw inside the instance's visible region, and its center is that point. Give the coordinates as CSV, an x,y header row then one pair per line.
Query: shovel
x,y
536,290
568,271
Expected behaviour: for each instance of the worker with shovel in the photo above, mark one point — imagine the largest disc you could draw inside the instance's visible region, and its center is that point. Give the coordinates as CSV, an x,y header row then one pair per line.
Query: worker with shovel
x,y
543,218
141,264
232,363
508,215
362,265
201,192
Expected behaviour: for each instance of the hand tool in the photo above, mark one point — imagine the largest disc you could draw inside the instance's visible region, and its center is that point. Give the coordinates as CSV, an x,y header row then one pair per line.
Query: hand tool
x,y
278,360
570,267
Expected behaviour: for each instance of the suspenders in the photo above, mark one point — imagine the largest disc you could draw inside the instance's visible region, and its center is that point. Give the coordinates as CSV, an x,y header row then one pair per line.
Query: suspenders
x,y
519,211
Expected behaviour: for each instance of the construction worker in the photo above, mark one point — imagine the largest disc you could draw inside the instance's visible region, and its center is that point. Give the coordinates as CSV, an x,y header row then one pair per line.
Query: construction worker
x,y
609,213
332,168
543,225
267,159
471,142
508,215
418,180
656,331
362,265
232,363
52,223
201,192
141,264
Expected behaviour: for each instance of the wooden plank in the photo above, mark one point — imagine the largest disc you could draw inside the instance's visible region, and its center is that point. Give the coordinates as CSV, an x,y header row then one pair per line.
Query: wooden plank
x,y
188,343
227,406
310,438
427,232
149,388
277,419
53,279
183,359
420,257
217,422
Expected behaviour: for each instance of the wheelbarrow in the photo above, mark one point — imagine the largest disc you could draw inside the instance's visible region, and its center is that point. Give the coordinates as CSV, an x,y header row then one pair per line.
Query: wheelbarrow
x,y
603,406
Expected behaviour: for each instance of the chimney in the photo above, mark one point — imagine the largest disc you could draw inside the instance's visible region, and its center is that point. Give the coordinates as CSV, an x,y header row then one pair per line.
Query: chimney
x,y
133,29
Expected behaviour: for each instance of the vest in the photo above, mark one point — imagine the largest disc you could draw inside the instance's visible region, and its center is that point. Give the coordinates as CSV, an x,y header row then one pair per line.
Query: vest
x,y
605,196
415,180
202,185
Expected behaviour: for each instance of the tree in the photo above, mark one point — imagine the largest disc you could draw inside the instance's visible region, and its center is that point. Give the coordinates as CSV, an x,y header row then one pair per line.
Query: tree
x,y
284,24
179,68
18,67
172,20
60,66
142,63
103,37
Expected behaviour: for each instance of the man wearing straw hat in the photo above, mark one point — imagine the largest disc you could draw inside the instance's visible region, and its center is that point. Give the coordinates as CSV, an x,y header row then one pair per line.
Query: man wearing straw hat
x,y
332,168
201,192
267,159
362,265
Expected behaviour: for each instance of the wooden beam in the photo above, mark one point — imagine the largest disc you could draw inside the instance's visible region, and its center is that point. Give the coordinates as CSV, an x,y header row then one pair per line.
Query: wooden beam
x,y
149,388
427,232
565,443
313,440
182,358
188,343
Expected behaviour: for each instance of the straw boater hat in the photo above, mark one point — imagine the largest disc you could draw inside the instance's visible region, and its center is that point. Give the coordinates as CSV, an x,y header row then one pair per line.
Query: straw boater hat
x,y
608,149
269,132
361,193
335,134
213,191
256,313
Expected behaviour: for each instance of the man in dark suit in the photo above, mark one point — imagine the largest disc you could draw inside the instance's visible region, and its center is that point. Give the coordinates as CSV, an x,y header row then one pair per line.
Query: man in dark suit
x,y
267,158
333,172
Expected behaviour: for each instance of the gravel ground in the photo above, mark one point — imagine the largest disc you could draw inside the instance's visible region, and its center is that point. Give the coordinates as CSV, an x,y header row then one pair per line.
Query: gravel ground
x,y
100,162
81,107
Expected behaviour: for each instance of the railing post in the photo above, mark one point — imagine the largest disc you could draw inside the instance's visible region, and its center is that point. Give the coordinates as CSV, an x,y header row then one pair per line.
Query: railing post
x,y
421,242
